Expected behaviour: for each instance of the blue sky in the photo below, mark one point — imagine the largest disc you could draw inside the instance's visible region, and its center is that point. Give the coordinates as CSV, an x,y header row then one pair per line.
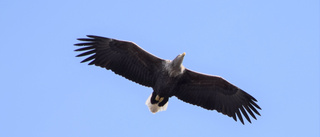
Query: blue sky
x,y
268,48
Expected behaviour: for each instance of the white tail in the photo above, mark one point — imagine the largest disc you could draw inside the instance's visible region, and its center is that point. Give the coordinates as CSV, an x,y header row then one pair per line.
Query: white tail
x,y
154,108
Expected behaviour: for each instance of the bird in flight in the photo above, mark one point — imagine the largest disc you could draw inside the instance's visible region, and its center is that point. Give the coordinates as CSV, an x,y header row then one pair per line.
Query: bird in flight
x,y
167,78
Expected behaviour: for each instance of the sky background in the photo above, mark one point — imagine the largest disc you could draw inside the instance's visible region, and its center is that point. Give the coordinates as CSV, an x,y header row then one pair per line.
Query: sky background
x,y
270,49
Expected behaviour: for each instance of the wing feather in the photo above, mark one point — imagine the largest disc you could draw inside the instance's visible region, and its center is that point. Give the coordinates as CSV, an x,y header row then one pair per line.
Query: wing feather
x,y
215,93
122,57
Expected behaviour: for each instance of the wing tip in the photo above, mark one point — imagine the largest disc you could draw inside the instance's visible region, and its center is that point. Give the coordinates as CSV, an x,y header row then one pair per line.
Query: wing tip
x,y
90,38
96,37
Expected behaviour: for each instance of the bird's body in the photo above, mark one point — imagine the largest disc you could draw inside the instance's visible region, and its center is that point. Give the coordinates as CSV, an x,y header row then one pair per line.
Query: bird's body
x,y
168,78
165,85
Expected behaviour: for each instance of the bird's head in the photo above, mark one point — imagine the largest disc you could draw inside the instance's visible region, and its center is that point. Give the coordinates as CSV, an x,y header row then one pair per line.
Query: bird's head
x,y
177,62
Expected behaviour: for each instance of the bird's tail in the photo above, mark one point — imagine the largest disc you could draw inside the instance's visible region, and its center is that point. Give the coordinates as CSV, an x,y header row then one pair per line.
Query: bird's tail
x,y
154,108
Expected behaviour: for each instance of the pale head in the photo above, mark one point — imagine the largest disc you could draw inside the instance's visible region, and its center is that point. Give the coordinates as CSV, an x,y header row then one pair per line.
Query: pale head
x,y
177,62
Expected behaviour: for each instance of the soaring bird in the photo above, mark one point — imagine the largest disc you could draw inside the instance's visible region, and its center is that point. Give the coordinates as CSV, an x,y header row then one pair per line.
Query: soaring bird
x,y
167,78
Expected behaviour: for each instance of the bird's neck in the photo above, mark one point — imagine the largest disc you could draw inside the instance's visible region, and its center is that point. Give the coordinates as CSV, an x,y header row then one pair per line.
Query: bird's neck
x,y
174,69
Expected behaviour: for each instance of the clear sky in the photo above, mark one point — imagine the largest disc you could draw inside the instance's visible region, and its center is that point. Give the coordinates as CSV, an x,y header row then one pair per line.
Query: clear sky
x,y
270,49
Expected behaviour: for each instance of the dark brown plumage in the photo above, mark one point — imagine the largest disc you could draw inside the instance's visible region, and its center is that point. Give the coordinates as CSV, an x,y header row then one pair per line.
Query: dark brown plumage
x,y
168,78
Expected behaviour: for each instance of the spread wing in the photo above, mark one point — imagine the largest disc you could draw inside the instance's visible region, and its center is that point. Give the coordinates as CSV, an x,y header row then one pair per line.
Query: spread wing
x,y
215,93
122,57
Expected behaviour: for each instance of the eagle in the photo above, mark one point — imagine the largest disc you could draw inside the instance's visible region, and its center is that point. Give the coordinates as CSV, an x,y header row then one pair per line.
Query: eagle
x,y
167,78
